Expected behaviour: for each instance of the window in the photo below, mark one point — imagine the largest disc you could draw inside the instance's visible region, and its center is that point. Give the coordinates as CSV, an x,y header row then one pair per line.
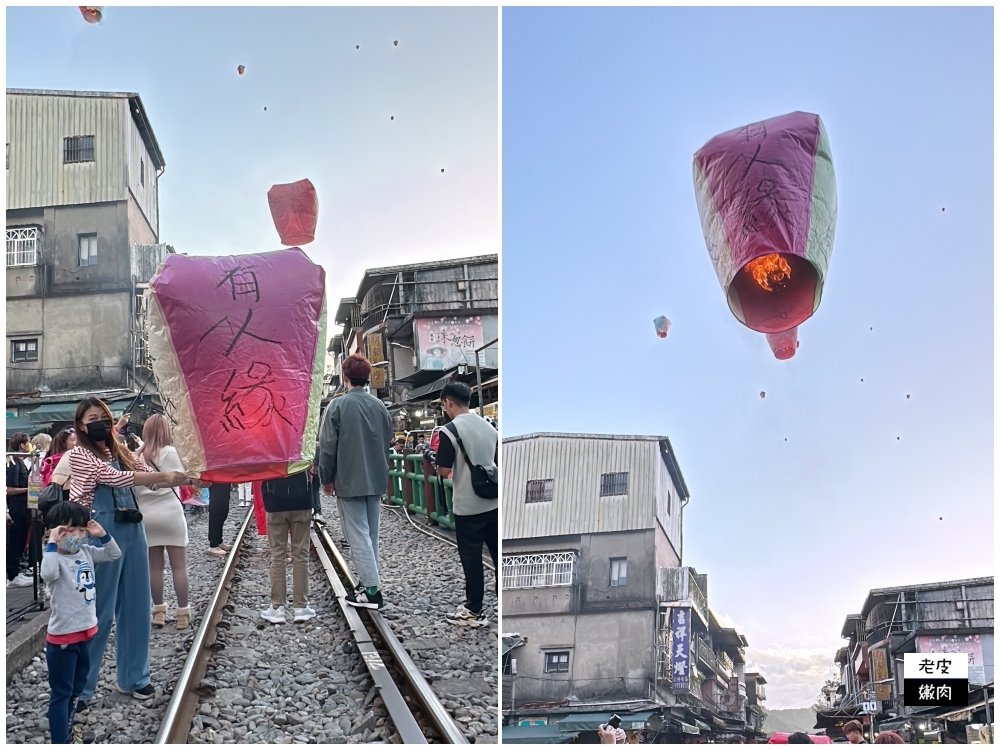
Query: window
x,y
88,250
614,484
78,148
142,172
557,661
22,246
539,491
670,504
619,567
25,350
535,571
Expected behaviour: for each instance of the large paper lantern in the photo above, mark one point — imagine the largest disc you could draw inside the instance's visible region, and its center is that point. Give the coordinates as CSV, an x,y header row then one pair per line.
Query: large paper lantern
x,y
295,209
238,352
767,197
92,13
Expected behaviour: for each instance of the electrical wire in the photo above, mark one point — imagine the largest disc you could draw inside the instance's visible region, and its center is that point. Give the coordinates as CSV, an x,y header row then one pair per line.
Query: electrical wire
x,y
431,534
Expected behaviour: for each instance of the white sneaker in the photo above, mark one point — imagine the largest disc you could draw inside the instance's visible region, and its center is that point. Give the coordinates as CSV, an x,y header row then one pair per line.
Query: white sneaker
x,y
304,613
275,615
318,517
21,581
465,616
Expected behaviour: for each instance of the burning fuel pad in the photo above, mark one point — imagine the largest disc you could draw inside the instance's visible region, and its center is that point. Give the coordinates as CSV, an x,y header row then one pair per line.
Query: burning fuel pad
x,y
767,198
237,349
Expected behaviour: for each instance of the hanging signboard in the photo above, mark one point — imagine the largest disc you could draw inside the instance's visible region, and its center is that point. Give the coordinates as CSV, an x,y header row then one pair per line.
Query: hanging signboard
x,y
880,669
957,644
378,377
680,648
376,348
444,343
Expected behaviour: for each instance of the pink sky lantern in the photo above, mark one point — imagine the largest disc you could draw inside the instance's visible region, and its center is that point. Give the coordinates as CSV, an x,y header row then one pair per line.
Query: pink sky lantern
x,y
238,346
295,209
92,13
662,326
767,197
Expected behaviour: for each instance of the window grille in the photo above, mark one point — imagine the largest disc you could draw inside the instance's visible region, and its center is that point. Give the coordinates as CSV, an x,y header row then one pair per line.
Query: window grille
x,y
539,491
22,247
614,484
24,351
88,250
619,567
557,661
536,571
78,148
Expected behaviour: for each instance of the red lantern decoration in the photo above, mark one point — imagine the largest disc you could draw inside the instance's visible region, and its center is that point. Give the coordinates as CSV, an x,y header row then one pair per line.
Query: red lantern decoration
x,y
785,343
295,209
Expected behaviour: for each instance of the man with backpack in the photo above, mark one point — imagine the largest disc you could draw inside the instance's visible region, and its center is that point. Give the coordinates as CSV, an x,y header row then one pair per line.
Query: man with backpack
x,y
467,446
288,503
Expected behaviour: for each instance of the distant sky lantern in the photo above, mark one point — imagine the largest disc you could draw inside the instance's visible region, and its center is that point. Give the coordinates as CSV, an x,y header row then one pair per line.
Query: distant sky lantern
x,y
294,208
92,13
767,198
662,326
241,69
238,347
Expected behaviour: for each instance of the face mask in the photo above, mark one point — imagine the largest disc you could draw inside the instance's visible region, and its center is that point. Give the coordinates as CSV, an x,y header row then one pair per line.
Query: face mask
x,y
100,431
72,544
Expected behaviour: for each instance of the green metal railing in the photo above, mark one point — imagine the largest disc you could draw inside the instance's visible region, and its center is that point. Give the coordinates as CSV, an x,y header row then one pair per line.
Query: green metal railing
x,y
426,495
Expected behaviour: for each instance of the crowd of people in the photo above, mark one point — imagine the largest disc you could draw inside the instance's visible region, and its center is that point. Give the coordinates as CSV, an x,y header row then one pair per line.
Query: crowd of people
x,y
114,519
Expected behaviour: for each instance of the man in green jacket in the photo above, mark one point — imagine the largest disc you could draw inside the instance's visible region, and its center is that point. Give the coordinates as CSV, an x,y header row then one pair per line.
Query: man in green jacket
x,y
353,447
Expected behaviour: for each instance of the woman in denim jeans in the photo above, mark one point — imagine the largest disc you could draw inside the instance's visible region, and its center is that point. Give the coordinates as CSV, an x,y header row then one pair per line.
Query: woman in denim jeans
x,y
104,472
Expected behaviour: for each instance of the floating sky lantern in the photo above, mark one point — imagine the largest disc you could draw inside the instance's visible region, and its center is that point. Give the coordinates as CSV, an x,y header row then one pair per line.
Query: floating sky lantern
x,y
294,209
237,345
92,13
767,199
241,69
662,326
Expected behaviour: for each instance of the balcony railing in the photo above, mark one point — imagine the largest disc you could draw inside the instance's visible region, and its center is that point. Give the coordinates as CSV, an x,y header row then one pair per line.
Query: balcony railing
x,y
22,247
537,571
679,584
727,663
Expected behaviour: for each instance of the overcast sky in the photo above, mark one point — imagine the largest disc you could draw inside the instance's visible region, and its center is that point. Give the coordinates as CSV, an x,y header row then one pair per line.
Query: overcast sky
x,y
383,199
603,111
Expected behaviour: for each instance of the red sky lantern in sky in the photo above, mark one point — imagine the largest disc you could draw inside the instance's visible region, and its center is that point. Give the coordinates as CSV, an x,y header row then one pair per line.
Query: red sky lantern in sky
x,y
92,13
767,198
662,326
294,208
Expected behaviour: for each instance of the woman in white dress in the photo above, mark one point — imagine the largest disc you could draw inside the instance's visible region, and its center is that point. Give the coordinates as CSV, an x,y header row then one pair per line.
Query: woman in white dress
x,y
163,520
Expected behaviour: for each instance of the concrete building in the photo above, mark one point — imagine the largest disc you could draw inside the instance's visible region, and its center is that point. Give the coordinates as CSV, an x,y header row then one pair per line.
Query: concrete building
x,y
951,616
82,243
600,615
422,325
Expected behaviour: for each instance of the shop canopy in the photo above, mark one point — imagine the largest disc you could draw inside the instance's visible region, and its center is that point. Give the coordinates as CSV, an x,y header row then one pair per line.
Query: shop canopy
x,y
19,424
590,722
46,414
545,734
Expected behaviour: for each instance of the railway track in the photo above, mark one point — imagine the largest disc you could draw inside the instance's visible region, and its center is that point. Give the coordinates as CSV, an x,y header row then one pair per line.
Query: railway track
x,y
416,713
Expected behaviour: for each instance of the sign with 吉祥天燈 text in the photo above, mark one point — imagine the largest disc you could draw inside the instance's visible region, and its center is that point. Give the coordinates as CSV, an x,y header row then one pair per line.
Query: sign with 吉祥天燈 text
x,y
680,648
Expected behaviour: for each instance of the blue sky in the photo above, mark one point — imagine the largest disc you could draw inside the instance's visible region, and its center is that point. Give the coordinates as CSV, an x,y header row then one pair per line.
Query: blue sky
x,y
383,199
603,110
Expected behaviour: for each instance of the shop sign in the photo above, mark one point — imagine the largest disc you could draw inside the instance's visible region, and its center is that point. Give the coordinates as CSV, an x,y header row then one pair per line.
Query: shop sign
x,y
444,343
880,670
378,377
376,348
957,644
680,648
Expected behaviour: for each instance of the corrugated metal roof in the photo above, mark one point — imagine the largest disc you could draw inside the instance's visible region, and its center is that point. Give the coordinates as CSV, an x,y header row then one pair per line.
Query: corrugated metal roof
x,y
576,463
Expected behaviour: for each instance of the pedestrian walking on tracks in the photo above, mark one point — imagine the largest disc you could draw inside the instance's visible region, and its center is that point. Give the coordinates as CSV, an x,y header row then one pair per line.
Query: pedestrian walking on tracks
x,y
218,512
164,522
469,441
68,567
354,462
104,473
288,503
18,515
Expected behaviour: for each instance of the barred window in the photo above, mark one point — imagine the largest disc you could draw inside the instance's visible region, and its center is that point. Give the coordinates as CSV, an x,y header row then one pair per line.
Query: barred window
x,y
536,571
557,661
539,491
78,148
614,484
25,350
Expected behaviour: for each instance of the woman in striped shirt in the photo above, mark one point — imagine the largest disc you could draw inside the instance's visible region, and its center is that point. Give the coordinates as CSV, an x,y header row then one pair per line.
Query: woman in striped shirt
x,y
103,471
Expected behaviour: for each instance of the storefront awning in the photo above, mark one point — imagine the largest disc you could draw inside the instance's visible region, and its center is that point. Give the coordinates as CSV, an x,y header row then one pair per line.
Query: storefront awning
x,y
548,734
688,729
46,414
702,725
590,722
964,714
20,424
430,388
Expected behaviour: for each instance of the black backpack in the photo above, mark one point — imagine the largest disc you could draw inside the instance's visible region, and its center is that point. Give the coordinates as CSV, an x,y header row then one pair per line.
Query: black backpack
x,y
295,485
485,480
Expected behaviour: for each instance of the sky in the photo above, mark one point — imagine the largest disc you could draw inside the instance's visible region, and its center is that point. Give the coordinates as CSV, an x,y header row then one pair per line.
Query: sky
x,y
383,199
603,110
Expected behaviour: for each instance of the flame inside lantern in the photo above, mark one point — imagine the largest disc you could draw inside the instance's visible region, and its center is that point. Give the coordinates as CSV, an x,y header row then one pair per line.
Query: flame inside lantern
x,y
768,270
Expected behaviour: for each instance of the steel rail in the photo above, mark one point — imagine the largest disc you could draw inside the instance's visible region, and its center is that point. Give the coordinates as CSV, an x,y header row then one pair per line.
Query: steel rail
x,y
435,711
176,724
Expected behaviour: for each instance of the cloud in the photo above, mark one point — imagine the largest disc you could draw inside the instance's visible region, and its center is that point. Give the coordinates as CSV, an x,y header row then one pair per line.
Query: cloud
x,y
794,675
